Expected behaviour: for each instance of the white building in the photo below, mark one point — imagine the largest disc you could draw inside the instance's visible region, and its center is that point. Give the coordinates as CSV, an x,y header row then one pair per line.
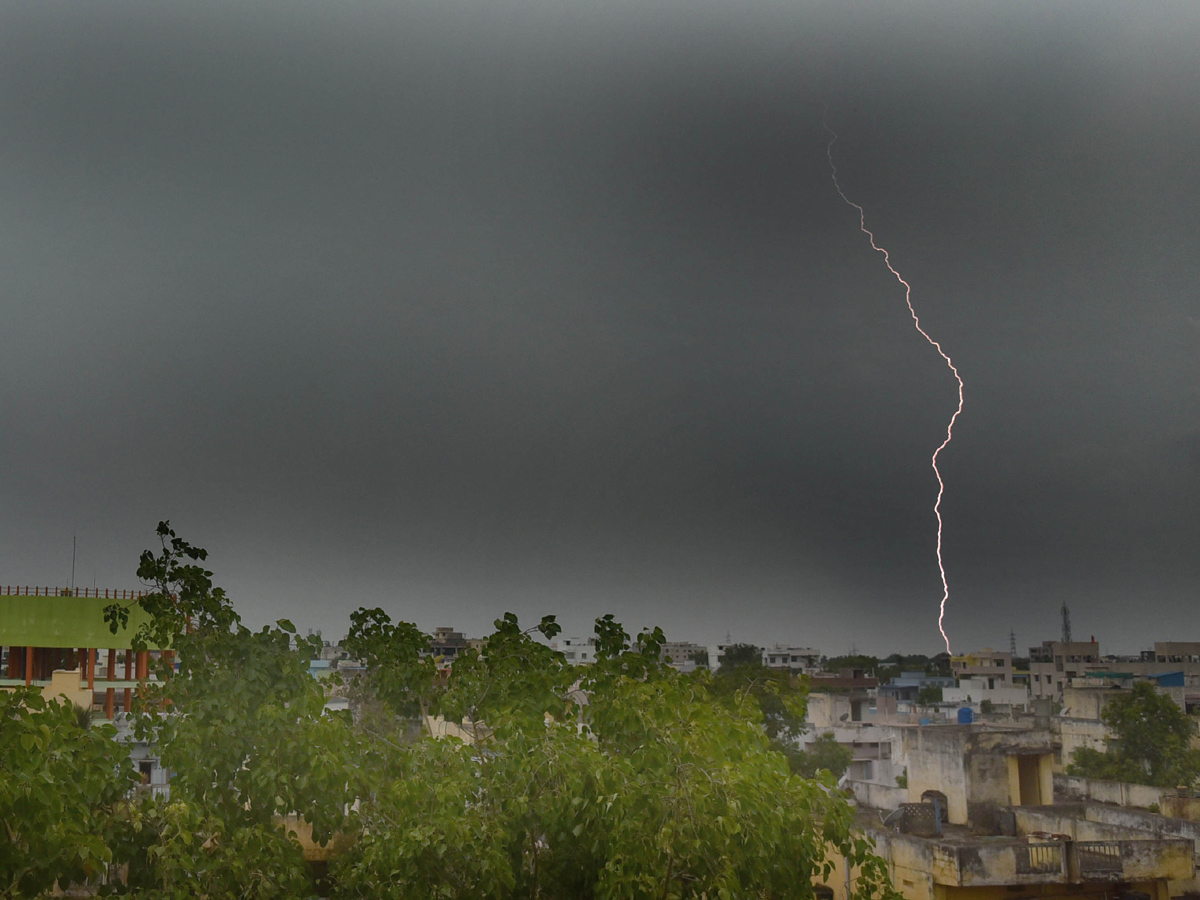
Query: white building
x,y
579,651
795,659
974,691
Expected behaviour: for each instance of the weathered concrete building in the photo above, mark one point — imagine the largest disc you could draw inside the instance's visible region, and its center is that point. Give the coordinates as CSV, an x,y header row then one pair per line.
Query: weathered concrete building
x,y
1055,663
980,768
980,823
994,666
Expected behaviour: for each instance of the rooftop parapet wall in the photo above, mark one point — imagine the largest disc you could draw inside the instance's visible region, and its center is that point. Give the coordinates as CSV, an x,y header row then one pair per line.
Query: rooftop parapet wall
x,y
1170,802
987,862
57,621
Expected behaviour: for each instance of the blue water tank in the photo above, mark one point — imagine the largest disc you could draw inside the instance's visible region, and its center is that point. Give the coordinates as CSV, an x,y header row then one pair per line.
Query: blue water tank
x,y
966,715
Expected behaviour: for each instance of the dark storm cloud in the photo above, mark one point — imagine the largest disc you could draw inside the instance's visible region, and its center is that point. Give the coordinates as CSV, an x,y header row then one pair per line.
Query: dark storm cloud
x,y
552,307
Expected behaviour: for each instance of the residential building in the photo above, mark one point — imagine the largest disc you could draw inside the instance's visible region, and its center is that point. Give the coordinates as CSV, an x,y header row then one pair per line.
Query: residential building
x,y
977,820
447,644
57,638
876,751
847,697
906,686
1055,663
993,666
1178,652
794,659
1000,695
680,655
579,651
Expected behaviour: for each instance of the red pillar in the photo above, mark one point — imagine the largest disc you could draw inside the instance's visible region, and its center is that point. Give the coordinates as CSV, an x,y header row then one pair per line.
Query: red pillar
x,y
112,665
110,703
128,701
128,665
91,668
28,666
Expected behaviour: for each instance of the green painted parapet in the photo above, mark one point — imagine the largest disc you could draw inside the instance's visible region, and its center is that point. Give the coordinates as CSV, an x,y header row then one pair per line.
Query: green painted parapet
x,y
38,621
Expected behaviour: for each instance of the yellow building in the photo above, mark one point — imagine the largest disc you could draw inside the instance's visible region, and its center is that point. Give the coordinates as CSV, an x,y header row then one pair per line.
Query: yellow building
x,y
980,823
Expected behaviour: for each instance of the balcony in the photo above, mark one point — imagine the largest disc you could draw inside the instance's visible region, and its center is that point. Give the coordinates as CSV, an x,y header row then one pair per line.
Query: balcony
x,y
987,862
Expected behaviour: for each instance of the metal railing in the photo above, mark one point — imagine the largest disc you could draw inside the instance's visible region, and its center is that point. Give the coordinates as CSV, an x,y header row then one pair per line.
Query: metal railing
x,y
1095,857
1039,859
39,591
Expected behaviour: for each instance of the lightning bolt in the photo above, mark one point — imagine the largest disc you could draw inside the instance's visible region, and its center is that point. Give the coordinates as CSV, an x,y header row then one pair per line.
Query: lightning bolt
x,y
937,506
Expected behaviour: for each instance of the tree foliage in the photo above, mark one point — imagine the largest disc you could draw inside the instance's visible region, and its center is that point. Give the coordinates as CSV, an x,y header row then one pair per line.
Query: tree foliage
x,y
634,782
824,754
868,664
777,695
399,670
1150,743
242,728
620,780
736,655
60,783
929,695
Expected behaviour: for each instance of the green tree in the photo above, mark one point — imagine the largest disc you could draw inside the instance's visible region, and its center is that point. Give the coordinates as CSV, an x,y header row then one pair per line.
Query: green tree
x,y
636,782
868,664
777,695
929,695
1150,743
60,785
242,728
741,655
823,754
400,671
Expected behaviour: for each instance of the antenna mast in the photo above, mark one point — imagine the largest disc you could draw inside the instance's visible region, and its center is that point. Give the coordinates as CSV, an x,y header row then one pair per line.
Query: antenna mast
x,y
1066,624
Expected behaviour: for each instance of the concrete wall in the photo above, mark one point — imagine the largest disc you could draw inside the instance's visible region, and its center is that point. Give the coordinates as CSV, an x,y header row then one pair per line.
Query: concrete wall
x,y
910,864
936,762
974,692
1100,822
1074,733
988,780
1181,808
824,710
1120,793
65,685
878,796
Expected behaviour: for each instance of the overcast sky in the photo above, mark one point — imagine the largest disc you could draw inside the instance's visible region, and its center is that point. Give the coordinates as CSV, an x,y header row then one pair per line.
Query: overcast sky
x,y
463,307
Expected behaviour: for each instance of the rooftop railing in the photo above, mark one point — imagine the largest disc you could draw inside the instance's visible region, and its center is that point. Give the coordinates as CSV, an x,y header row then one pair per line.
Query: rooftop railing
x,y
39,591
1041,859
1098,857
992,862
